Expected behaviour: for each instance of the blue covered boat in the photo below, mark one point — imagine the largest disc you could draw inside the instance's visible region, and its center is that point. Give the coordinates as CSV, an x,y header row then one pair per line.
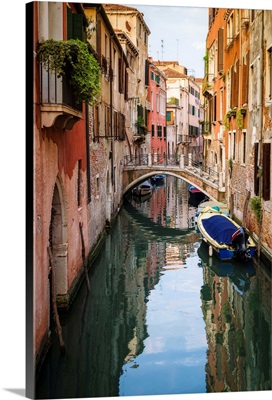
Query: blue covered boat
x,y
227,240
157,180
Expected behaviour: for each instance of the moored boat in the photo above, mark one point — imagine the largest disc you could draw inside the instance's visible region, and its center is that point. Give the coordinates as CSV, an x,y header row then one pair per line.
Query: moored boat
x,y
157,179
195,195
145,188
225,238
216,205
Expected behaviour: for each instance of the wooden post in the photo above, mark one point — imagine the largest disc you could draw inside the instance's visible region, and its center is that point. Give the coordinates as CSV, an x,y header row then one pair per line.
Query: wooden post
x,y
83,256
54,300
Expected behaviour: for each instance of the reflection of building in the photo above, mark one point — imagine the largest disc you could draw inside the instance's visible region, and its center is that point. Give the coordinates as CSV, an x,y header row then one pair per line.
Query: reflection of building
x,y
238,326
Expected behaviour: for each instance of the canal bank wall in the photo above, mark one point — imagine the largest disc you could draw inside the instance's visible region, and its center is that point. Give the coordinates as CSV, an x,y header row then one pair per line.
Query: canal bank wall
x,y
79,281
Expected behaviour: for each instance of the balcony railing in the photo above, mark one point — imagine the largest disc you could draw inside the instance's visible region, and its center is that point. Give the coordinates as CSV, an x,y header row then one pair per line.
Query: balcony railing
x,y
58,103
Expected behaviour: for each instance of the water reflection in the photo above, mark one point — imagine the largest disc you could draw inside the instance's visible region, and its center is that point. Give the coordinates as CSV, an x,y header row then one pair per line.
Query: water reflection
x,y
236,304
162,317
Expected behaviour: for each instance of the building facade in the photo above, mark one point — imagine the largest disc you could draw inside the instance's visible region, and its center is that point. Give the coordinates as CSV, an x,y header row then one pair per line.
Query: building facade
x,y
79,150
237,127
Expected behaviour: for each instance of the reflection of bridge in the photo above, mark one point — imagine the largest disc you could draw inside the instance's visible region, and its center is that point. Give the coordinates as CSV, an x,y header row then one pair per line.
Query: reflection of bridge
x,y
204,177
158,229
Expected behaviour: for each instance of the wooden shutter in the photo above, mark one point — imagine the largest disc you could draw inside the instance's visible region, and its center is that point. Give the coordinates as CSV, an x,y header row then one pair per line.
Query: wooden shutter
x,y
220,49
245,73
74,25
78,26
266,170
256,177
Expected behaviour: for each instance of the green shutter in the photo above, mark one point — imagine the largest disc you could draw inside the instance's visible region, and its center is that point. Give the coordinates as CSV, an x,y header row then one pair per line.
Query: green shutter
x,y
77,26
74,25
69,24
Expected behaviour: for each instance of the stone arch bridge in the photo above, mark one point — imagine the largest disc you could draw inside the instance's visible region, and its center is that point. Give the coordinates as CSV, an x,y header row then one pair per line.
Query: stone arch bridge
x,y
204,177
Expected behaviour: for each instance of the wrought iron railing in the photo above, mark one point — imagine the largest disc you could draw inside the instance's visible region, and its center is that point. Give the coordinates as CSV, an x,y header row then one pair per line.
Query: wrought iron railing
x,y
183,162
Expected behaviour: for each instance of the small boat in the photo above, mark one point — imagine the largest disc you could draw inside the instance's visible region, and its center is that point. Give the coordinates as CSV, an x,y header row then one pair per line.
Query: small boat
x,y
157,179
143,189
238,273
216,205
225,238
141,199
195,195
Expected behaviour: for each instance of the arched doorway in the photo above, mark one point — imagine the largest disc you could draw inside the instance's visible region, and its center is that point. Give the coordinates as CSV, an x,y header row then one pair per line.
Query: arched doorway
x,y
58,239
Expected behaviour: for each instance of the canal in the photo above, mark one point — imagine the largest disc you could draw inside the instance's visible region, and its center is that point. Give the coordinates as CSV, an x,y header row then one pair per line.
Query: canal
x,y
162,317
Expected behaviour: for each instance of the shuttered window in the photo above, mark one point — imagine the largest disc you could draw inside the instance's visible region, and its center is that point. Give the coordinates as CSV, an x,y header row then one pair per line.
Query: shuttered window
x,y
220,49
121,76
234,85
74,25
245,73
266,170
256,176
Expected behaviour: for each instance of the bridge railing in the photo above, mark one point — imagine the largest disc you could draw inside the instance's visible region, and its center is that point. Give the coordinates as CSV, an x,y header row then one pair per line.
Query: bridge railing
x,y
183,162
150,160
203,168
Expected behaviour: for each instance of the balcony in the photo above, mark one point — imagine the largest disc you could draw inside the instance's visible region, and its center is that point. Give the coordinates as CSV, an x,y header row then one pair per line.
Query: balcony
x,y
58,106
184,139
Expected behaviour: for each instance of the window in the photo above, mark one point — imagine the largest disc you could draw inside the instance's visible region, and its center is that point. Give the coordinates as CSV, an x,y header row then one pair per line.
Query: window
x,y
244,148
245,72
157,103
159,130
270,73
169,116
79,184
230,33
115,124
121,75
74,25
256,175
107,121
96,122
214,108
220,59
266,170
234,84
153,130
234,144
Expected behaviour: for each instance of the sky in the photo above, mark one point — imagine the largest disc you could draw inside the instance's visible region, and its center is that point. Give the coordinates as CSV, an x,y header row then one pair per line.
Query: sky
x,y
177,33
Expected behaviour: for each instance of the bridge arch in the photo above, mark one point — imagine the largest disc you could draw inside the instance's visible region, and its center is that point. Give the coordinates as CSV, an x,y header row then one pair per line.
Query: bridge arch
x,y
145,175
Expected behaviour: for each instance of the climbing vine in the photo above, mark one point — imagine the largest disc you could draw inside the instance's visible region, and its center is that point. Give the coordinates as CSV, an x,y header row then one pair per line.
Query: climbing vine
x,y
256,207
73,59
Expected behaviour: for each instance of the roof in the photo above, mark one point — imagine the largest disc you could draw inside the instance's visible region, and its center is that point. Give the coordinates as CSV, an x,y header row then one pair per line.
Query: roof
x,y
171,73
118,7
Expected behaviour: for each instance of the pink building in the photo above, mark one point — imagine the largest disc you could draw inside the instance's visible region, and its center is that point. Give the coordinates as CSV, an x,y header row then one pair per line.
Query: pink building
x,y
156,121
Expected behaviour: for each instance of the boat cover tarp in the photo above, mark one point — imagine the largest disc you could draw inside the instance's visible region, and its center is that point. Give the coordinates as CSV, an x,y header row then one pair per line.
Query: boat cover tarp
x,y
219,228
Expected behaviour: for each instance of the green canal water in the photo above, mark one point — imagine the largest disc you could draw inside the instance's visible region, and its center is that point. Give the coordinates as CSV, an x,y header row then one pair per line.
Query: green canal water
x,y
162,317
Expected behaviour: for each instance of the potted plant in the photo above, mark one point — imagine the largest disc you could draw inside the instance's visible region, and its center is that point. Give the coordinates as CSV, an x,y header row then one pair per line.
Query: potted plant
x,y
239,119
233,111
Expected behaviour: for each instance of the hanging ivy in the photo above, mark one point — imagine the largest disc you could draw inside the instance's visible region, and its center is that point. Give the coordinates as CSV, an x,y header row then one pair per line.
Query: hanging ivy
x,y
73,59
